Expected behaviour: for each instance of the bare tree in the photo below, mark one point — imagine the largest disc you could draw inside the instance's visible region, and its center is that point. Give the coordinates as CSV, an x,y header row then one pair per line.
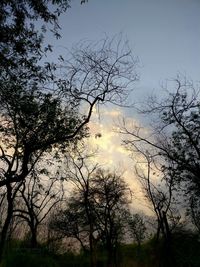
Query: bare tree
x,y
111,196
161,195
96,211
175,136
78,220
137,228
39,198
171,145
35,119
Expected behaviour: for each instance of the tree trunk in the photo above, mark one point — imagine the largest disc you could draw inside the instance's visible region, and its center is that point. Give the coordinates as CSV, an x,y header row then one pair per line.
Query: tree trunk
x,y
92,251
7,220
110,255
34,242
169,259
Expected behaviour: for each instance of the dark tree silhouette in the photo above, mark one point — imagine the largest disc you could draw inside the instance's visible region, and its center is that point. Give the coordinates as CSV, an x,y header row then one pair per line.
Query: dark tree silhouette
x,y
137,228
37,197
80,171
34,119
96,214
21,40
111,196
174,141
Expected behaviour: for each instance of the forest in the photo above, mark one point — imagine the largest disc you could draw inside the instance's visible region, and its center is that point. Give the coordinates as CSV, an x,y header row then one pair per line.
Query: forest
x,y
59,207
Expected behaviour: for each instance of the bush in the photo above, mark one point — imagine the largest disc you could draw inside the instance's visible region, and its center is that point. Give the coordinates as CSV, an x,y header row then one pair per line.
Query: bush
x,y
22,257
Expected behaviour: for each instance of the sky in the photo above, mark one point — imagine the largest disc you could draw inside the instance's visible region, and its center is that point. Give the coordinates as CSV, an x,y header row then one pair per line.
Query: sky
x,y
163,34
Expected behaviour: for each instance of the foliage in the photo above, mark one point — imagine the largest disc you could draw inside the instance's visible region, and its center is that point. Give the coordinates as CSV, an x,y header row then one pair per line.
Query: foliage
x,y
21,36
40,110
31,123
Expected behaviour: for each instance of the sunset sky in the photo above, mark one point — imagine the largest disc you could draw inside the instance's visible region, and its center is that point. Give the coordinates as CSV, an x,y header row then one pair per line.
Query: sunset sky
x,y
163,34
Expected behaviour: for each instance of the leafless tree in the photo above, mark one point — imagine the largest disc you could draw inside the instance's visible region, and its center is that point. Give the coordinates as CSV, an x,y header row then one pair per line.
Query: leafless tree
x,y
39,197
96,210
171,146
137,228
79,218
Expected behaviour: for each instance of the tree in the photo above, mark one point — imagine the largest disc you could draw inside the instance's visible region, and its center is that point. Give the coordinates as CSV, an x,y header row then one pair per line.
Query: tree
x,y
194,212
25,138
38,109
79,218
178,136
183,114
36,119
137,228
158,185
161,196
72,222
110,196
21,40
93,77
98,217
174,139
37,198
2,207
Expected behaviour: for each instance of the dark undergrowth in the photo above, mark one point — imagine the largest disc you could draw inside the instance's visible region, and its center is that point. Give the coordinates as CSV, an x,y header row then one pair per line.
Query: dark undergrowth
x,y
185,252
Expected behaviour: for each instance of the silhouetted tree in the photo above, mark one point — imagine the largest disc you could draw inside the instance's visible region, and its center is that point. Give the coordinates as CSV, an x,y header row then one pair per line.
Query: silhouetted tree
x,y
176,136
40,110
137,228
37,198
99,217
80,171
174,141
21,42
111,197
34,121
194,212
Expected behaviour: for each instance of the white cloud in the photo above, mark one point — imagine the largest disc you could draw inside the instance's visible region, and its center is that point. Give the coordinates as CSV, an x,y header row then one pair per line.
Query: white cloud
x,y
112,155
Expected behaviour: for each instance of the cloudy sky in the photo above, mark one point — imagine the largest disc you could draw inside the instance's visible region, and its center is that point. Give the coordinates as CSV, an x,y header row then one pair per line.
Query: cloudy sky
x,y
163,34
